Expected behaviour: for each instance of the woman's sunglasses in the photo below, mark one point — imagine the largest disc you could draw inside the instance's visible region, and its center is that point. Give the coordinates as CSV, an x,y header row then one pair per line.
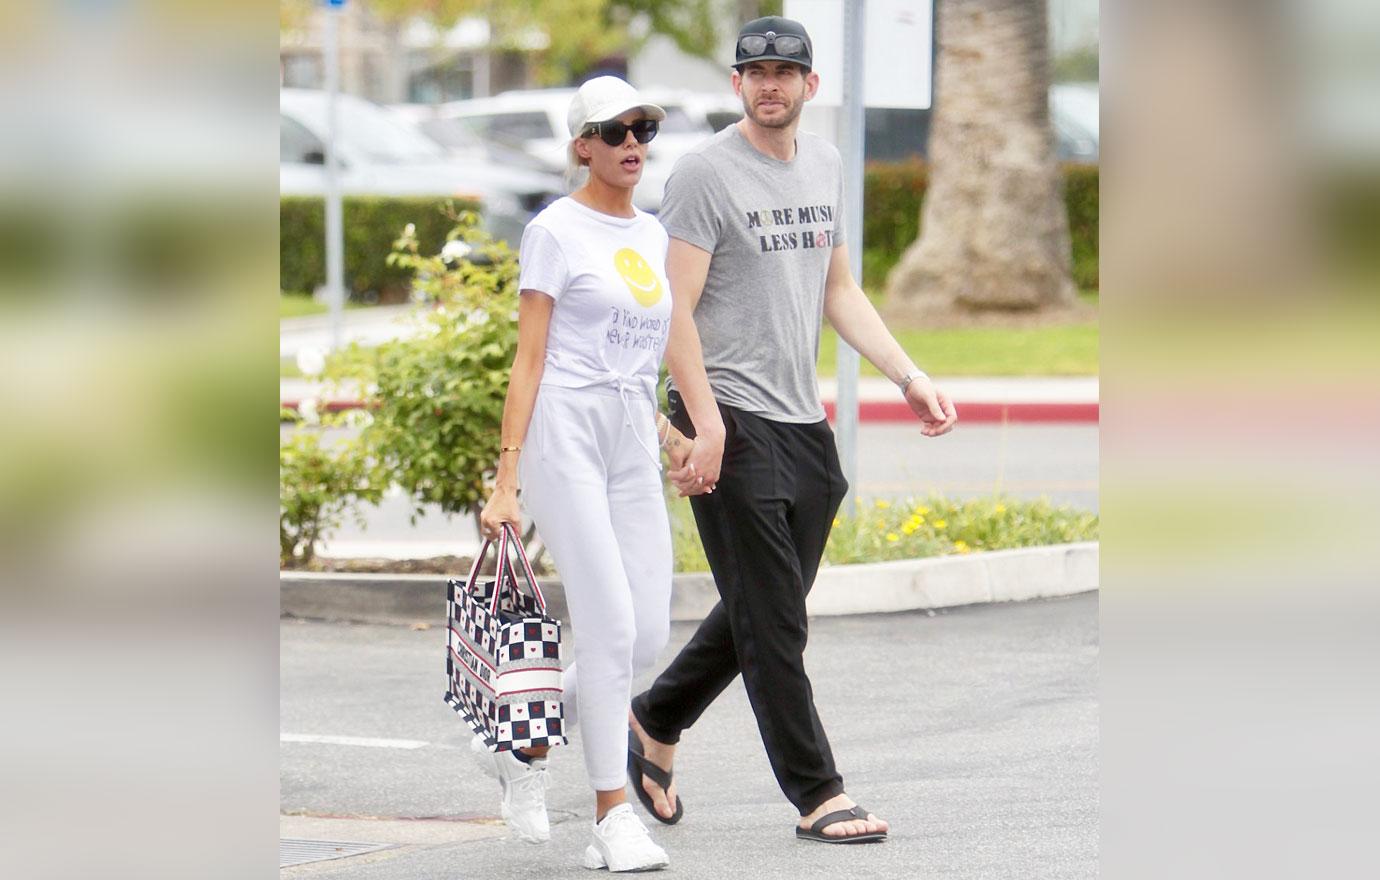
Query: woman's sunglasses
x,y
615,132
785,44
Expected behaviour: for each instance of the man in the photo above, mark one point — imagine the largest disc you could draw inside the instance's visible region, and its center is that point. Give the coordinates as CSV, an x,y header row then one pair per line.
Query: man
x,y
757,255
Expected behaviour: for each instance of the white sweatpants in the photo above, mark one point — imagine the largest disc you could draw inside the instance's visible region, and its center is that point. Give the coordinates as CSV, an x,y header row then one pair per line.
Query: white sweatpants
x,y
595,494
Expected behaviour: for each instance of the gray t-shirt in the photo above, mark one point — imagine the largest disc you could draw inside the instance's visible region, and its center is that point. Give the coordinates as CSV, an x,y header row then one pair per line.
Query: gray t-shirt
x,y
772,227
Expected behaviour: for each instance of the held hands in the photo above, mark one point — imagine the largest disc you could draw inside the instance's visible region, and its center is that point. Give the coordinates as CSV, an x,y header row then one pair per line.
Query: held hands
x,y
695,463
933,407
502,508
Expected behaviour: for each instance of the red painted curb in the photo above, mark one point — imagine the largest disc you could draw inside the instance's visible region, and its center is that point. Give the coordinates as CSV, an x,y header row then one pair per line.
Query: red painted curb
x,y
975,413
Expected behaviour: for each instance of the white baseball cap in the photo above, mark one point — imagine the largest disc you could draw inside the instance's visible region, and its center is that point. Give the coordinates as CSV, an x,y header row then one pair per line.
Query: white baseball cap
x,y
604,98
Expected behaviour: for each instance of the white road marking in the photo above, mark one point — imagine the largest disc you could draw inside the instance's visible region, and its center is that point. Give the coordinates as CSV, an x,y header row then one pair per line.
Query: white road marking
x,y
367,741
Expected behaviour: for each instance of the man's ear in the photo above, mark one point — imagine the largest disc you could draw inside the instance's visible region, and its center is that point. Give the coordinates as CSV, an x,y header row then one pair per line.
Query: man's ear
x,y
737,81
811,85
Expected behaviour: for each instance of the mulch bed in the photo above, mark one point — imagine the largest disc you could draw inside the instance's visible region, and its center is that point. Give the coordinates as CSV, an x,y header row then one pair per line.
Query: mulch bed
x,y
455,566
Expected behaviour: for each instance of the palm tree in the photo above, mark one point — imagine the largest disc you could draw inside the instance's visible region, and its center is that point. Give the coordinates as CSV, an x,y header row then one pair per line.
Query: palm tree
x,y
994,232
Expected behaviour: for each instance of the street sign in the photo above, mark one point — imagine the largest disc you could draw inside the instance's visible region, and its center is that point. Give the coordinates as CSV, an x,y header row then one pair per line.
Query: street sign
x,y
899,40
335,3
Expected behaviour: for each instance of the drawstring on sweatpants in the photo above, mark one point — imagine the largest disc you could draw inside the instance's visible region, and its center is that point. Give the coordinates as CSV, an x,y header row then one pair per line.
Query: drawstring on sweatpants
x,y
626,386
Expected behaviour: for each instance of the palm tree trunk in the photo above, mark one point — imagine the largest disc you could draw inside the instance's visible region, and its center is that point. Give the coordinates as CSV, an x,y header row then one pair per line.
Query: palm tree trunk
x,y
994,229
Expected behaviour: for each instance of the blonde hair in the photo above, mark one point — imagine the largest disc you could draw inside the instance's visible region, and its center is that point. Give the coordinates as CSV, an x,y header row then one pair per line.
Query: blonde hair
x,y
574,166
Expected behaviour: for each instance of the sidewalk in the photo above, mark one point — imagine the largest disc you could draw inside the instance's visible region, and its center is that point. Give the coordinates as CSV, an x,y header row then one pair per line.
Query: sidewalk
x,y
978,399
369,326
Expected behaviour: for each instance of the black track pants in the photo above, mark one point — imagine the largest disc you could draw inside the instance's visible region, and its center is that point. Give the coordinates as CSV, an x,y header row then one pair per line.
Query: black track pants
x,y
763,531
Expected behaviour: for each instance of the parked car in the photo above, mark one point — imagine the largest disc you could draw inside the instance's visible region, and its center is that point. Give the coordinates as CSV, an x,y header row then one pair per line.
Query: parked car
x,y
1073,109
712,111
459,140
381,154
534,121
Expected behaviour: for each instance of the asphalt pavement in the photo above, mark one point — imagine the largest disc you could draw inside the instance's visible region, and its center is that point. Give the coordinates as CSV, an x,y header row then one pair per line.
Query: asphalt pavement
x,y
974,731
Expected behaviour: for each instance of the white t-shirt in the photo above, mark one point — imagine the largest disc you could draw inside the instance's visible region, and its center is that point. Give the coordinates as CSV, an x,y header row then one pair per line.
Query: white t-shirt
x,y
613,302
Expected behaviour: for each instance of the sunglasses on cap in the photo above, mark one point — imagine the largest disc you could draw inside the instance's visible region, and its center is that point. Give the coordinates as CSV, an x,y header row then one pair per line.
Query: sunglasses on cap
x,y
614,132
785,44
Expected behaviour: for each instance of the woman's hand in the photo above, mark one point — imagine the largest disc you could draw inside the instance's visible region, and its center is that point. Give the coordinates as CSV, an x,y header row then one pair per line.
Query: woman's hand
x,y
502,508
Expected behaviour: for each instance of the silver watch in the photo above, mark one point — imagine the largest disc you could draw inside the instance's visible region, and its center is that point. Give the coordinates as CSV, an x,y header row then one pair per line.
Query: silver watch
x,y
909,378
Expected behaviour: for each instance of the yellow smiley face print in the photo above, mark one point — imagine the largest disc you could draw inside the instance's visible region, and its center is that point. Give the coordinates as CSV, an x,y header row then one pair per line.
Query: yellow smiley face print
x,y
639,276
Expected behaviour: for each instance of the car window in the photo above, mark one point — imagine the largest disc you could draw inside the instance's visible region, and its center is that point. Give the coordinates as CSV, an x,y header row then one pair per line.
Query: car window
x,y
376,134
451,133
530,125
295,143
677,121
721,119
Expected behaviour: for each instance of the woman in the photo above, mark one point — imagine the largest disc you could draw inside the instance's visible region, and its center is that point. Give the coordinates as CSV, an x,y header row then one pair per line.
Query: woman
x,y
580,435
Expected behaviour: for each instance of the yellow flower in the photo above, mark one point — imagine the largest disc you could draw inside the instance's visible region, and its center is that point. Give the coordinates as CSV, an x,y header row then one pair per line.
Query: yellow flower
x,y
941,523
961,547
916,521
892,537
836,522
1000,508
909,528
921,510
883,504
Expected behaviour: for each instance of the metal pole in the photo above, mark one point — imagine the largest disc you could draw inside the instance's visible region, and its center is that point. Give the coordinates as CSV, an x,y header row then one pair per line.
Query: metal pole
x,y
335,226
851,142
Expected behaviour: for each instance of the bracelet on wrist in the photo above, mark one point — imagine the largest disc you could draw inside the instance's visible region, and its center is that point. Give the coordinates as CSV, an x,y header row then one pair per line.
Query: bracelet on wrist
x,y
503,449
910,377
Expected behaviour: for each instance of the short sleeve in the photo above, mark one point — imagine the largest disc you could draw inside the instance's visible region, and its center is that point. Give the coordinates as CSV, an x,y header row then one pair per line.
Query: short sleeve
x,y
690,206
840,210
542,262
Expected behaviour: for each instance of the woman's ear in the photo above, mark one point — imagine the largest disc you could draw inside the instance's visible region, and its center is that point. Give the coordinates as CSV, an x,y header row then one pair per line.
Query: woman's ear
x,y
582,149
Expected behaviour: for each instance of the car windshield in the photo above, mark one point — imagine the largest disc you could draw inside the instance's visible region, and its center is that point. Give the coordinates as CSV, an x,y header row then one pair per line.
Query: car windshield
x,y
451,133
372,132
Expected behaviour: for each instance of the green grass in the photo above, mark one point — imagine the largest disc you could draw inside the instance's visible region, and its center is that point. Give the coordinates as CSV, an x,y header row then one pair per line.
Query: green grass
x,y
1069,350
297,305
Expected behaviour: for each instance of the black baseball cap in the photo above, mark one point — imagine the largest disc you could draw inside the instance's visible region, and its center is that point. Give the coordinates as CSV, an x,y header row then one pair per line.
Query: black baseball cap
x,y
757,42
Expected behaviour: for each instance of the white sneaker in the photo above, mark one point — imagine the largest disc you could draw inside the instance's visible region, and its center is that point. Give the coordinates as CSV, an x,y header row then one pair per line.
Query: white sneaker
x,y
621,843
524,790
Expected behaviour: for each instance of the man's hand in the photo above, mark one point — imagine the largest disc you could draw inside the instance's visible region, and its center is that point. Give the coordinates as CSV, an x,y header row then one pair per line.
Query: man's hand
x,y
933,407
684,479
706,458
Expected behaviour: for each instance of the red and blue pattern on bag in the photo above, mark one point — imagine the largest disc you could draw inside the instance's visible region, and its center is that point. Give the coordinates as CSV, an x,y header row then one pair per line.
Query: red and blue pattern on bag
x,y
503,655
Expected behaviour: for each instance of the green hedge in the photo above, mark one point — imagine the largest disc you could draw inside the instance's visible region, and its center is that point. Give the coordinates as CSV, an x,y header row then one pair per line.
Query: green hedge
x,y
372,224
895,190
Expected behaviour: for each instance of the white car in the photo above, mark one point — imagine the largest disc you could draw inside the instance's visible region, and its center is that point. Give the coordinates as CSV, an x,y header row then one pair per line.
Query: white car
x,y
535,122
1074,113
381,154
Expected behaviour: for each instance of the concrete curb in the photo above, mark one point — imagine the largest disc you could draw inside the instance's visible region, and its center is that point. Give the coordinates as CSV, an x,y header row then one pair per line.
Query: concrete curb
x,y
871,588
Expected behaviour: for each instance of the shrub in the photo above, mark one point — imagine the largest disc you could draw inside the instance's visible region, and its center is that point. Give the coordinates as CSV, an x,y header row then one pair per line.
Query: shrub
x,y
371,223
436,398
1081,196
894,191
911,529
317,486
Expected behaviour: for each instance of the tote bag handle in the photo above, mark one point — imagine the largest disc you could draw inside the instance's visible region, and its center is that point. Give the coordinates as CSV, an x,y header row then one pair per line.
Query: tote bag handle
x,y
508,538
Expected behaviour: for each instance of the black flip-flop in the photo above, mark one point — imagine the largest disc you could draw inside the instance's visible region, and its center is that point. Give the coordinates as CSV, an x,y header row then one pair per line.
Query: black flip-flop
x,y
639,766
816,831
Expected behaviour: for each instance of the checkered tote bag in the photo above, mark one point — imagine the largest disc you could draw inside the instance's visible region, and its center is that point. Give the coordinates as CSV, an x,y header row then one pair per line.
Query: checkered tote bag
x,y
503,654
